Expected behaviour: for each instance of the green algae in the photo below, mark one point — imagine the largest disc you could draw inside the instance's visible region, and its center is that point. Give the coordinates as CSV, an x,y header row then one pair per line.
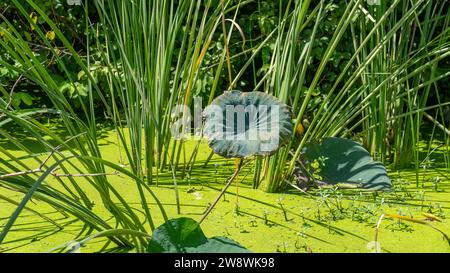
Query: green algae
x,y
324,220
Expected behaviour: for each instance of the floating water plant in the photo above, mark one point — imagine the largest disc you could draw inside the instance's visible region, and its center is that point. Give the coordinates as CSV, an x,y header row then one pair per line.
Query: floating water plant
x,y
239,125
345,163
184,235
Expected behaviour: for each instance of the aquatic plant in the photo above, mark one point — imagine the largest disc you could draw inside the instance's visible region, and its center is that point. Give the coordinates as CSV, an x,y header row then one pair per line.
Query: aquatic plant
x,y
344,163
184,235
240,125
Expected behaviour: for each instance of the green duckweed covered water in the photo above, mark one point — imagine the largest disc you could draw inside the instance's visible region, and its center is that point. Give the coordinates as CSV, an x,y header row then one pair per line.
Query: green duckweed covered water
x,y
325,220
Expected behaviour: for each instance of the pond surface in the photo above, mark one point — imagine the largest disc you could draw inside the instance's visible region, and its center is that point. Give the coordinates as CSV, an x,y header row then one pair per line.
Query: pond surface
x,y
324,220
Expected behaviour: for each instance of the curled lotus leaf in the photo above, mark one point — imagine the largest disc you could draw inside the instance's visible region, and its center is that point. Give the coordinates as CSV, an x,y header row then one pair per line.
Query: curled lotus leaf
x,y
240,124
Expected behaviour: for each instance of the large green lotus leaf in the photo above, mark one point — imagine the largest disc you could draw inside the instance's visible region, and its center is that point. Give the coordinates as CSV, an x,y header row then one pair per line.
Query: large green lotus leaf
x,y
346,161
184,235
240,124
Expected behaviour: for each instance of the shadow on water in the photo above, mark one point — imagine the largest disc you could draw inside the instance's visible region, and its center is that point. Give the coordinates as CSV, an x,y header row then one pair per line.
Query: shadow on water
x,y
36,233
34,145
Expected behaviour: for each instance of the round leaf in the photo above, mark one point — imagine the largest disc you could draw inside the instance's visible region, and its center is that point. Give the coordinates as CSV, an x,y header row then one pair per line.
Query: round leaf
x,y
239,124
184,235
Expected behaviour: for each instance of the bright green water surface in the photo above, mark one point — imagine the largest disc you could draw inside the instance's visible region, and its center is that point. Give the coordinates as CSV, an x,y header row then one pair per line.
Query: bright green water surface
x,y
325,220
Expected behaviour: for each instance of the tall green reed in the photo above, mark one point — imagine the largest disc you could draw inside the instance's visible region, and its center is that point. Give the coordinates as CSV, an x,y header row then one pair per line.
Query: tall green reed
x,y
381,91
153,53
140,77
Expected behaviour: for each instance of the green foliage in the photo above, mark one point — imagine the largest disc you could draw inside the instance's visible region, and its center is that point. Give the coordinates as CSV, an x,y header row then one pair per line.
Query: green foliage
x,y
21,97
184,235
339,160
230,141
378,89
70,19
